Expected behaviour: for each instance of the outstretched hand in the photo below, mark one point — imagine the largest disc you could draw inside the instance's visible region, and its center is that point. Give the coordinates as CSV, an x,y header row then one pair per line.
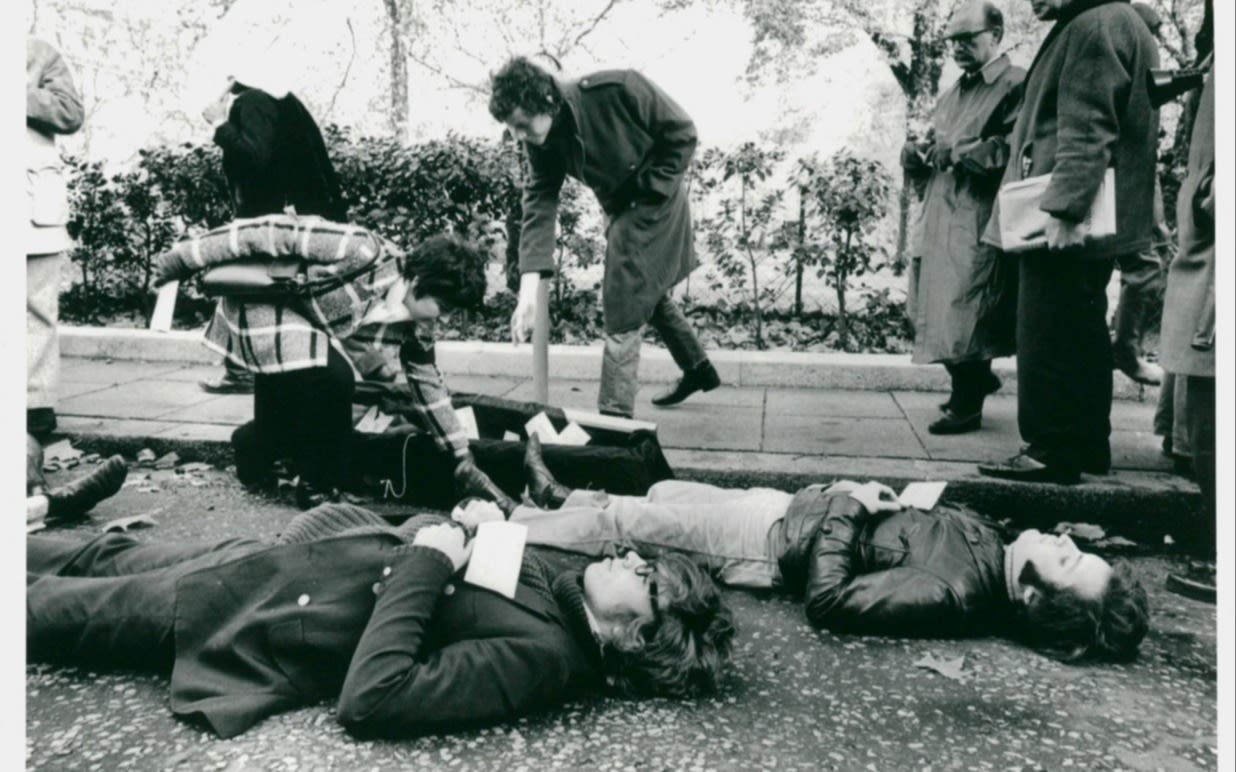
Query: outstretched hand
x,y
447,538
473,512
523,320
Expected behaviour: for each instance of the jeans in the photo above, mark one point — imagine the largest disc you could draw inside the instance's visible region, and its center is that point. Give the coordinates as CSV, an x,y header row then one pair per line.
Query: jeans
x,y
728,531
1141,281
620,361
42,315
111,601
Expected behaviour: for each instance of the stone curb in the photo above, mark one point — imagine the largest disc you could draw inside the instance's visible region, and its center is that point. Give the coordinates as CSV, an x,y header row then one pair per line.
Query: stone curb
x,y
744,369
1142,506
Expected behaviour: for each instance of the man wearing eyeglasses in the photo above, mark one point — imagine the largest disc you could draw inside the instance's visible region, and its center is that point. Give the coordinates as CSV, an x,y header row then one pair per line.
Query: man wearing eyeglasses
x,y
343,605
957,285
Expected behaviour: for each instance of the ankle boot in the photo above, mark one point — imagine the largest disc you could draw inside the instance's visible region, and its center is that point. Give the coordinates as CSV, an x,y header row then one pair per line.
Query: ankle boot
x,y
702,377
543,489
79,497
471,481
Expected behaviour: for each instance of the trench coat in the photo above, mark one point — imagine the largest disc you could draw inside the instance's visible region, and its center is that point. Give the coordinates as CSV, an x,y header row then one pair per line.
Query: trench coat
x,y
631,145
1087,107
957,281
1189,305
52,108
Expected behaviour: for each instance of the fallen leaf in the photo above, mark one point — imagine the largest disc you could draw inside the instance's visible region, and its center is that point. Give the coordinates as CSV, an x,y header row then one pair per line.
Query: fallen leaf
x,y
949,668
149,489
168,461
129,523
145,457
1117,542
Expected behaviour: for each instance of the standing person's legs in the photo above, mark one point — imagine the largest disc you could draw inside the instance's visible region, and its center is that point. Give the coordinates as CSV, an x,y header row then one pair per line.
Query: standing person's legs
x,y
1064,379
1201,422
620,373
679,337
1141,278
42,341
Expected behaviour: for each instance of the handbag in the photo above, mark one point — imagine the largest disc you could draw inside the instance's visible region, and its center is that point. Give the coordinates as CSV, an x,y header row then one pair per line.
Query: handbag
x,y
255,279
1023,225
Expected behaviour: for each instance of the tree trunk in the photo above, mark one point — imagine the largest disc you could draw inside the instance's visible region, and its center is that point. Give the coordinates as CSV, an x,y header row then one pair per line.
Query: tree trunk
x,y
798,260
903,221
398,118
843,277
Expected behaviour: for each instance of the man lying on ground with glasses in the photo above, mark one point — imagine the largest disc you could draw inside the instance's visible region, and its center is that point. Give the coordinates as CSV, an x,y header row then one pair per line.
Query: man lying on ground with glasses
x,y
863,563
343,605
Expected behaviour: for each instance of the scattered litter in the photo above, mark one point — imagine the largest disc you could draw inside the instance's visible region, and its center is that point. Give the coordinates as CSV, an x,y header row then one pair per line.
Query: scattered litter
x,y
70,463
149,489
123,524
1167,539
62,451
949,668
50,466
91,458
194,467
168,461
145,457
1115,542
1083,531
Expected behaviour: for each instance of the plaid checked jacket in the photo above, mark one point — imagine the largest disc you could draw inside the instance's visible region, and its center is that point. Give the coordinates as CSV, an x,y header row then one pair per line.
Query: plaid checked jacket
x,y
295,333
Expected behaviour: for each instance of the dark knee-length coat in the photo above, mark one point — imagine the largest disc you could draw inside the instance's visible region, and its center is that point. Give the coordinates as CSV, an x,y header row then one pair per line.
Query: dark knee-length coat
x,y
631,144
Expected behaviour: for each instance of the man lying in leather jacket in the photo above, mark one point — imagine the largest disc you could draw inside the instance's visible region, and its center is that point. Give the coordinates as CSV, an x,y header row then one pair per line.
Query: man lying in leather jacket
x,y
863,563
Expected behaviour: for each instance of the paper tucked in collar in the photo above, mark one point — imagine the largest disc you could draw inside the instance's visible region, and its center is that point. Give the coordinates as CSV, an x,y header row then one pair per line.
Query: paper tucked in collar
x,y
497,556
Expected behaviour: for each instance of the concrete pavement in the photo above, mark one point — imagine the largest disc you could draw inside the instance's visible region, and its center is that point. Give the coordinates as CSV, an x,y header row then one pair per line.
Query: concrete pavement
x,y
776,435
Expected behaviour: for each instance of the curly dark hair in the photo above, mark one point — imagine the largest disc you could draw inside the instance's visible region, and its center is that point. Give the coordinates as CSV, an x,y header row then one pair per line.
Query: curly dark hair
x,y
686,651
448,269
1069,627
520,83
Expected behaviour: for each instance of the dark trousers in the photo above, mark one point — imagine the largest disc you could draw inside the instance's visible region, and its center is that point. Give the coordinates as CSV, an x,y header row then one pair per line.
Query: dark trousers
x,y
972,382
1064,361
304,414
1141,284
111,601
1200,416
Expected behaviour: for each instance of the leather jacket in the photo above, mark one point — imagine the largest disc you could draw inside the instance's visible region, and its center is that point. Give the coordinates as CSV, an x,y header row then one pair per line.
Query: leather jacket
x,y
907,574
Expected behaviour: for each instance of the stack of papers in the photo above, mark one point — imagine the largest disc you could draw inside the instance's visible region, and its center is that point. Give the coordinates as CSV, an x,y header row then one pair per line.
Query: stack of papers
x,y
541,426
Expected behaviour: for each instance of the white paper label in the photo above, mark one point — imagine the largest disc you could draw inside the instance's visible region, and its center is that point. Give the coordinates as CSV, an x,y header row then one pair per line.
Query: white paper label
x,y
922,495
165,305
497,556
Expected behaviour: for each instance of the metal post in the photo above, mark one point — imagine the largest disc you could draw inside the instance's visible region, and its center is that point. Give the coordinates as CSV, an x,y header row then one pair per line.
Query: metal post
x,y
540,345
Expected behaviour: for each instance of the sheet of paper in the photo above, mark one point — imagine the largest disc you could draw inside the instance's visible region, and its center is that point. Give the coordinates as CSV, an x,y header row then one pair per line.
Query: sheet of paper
x,y
539,424
497,556
165,305
922,495
511,436
592,420
573,434
467,419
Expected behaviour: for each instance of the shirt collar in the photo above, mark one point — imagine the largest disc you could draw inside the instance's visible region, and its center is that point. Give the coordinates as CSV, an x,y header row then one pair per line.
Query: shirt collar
x,y
994,68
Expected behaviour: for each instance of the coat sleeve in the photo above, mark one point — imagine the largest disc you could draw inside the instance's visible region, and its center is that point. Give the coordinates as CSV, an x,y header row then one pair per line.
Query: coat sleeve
x,y
986,156
249,133
673,138
903,601
397,686
538,233
1092,93
430,396
52,101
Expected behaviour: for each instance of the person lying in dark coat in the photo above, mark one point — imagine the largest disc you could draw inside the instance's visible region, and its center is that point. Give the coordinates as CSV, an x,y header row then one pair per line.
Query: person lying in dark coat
x,y
344,606
862,562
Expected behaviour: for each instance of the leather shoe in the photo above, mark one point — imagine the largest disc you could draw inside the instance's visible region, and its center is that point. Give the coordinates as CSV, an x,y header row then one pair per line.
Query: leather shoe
x,y
228,383
1024,468
951,423
1138,369
992,385
74,500
700,378
309,495
471,481
543,489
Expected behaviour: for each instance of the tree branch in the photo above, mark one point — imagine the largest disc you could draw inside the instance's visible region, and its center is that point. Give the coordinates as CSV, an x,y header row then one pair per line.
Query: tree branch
x,y
591,26
346,70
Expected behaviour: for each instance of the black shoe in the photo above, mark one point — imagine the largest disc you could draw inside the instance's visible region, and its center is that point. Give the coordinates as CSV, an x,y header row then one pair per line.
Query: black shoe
x,y
74,500
543,489
1024,468
1197,583
1141,371
951,423
40,421
471,481
229,383
309,495
992,385
700,378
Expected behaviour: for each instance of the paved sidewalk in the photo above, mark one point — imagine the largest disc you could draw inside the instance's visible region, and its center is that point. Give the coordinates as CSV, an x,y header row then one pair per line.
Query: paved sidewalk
x,y
737,436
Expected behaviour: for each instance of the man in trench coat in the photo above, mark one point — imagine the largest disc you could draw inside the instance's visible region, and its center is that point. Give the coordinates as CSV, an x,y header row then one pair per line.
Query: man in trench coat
x,y
1086,108
624,138
957,282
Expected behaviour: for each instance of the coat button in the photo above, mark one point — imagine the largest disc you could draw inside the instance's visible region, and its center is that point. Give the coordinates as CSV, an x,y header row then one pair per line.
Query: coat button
x,y
377,588
386,571
448,590
302,600
828,529
584,82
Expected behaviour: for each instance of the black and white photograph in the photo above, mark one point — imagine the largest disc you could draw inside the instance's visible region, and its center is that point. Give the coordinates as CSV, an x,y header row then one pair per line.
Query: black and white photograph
x,y
632,385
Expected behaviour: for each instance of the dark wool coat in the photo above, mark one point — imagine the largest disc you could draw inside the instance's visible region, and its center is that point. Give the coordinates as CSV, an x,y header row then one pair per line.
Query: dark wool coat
x,y
631,144
407,646
1086,107
274,156
1189,306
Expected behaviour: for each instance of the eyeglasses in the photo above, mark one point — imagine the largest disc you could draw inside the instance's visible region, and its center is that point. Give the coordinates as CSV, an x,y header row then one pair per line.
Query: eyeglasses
x,y
967,39
648,572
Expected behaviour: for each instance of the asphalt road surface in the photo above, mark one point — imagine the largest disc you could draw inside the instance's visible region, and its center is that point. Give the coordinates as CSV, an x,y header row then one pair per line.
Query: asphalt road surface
x,y
799,699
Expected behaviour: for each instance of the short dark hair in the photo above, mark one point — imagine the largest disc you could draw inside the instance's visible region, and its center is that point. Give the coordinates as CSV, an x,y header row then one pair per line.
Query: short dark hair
x,y
1070,627
521,84
685,651
993,17
448,269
